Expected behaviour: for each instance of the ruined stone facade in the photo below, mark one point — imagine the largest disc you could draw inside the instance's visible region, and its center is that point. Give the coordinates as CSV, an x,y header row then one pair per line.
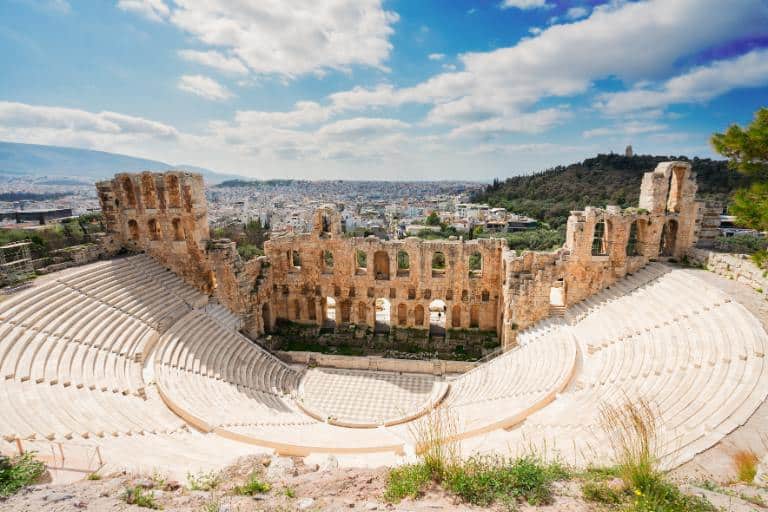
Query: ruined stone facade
x,y
439,288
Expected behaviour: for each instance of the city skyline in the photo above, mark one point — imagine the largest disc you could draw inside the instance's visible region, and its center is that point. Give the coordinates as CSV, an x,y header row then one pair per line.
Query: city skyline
x,y
379,90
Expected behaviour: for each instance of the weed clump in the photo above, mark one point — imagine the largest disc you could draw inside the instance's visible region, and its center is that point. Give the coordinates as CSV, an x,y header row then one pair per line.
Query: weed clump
x,y
745,463
407,481
203,481
18,472
141,498
252,487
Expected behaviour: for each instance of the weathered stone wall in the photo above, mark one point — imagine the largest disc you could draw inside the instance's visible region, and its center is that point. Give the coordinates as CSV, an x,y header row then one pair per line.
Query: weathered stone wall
x,y
375,363
738,267
163,214
318,278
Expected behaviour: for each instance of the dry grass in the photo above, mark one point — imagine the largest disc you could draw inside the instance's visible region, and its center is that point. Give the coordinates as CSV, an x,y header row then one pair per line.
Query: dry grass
x,y
435,434
745,463
632,430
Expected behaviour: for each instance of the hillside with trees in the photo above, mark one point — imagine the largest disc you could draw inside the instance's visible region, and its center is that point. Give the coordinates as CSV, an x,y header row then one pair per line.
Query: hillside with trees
x,y
606,179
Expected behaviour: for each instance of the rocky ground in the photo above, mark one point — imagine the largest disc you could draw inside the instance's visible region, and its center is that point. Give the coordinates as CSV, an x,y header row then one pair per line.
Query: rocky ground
x,y
297,487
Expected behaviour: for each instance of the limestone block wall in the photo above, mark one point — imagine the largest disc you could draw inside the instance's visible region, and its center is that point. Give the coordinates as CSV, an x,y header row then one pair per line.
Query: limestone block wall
x,y
738,267
163,214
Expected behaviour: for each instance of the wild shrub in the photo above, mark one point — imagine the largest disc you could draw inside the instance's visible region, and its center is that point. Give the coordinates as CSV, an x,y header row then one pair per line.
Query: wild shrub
x,y
18,472
252,487
205,481
407,481
745,463
141,498
600,492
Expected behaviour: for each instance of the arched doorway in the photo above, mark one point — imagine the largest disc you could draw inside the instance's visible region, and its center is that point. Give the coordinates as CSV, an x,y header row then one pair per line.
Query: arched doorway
x,y
381,265
330,313
266,318
437,311
383,312
418,315
668,239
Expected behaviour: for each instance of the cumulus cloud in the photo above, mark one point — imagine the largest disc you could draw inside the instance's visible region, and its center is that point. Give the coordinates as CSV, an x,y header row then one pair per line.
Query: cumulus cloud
x,y
523,4
699,84
575,13
215,60
205,87
361,127
155,10
291,38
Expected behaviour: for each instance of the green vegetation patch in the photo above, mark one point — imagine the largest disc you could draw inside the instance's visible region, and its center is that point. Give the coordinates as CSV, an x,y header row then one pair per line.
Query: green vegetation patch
x,y
19,472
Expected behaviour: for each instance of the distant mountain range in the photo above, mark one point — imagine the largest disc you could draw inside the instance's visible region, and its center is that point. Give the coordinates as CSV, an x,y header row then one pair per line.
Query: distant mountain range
x,y
56,163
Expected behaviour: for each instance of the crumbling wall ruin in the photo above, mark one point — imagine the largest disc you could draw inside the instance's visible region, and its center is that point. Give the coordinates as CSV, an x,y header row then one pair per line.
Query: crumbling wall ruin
x,y
433,289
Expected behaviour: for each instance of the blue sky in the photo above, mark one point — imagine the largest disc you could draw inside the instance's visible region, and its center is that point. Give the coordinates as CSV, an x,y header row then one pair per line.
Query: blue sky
x,y
376,89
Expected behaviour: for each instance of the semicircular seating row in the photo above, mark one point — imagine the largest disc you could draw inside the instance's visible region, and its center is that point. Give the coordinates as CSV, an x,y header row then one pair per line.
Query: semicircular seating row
x,y
683,346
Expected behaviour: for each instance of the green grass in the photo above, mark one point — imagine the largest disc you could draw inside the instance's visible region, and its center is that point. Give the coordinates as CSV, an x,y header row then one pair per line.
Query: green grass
x,y
485,480
141,498
94,476
407,481
19,472
600,492
252,487
289,492
663,496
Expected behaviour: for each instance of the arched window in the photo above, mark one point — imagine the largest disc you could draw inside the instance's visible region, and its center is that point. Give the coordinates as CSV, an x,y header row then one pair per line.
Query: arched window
x,y
456,316
361,262
266,318
295,259
148,192
675,195
154,229
475,264
130,196
418,315
296,309
311,311
362,313
178,231
474,316
403,264
598,240
437,312
668,239
402,314
174,194
133,229
632,240
327,262
438,264
381,265
485,296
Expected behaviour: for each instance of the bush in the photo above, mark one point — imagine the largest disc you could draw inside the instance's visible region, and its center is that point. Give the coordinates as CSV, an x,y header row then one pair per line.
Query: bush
x,y
252,487
19,472
407,481
141,498
741,244
484,480
663,496
745,463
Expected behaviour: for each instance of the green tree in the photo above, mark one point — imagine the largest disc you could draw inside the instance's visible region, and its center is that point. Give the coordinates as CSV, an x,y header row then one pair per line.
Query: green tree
x,y
433,219
747,152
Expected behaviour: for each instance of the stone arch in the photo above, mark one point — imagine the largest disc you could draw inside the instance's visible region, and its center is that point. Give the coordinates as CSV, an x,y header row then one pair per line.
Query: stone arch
x,y
174,194
361,262
474,316
668,238
295,259
437,313
456,316
311,310
438,264
599,245
632,240
266,318
402,314
130,195
418,315
148,191
154,229
346,310
383,310
133,230
381,265
329,312
675,195
475,264
178,230
362,313
403,264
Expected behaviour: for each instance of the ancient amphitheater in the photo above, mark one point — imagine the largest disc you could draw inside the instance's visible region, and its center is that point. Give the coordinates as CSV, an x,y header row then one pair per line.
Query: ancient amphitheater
x,y
155,358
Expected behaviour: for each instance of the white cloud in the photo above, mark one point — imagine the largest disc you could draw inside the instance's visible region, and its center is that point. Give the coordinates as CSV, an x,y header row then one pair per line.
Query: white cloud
x,y
436,56
361,127
575,13
304,113
523,4
699,84
155,10
291,38
535,30
449,67
205,87
215,60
